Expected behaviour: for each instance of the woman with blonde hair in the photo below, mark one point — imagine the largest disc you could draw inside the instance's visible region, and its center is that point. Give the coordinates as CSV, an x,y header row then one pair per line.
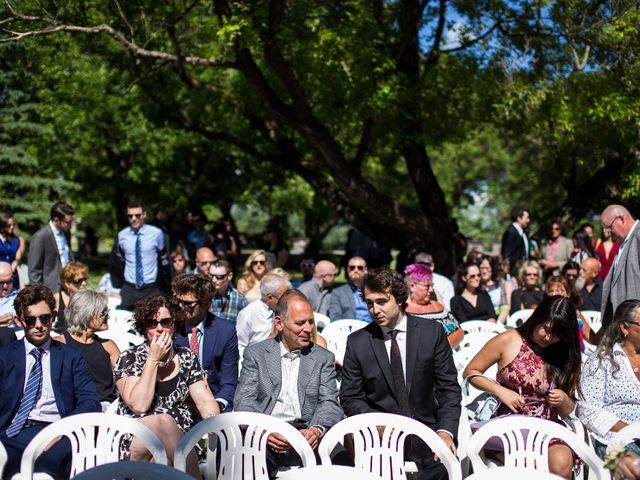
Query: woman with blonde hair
x,y
255,267
73,277
529,295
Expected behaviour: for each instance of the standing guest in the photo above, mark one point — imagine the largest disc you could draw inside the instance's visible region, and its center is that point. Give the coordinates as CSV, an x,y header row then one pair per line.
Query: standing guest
x,y
442,286
158,381
41,381
403,365
538,371
515,245
12,247
197,236
87,314
276,246
419,280
529,295
492,283
470,301
255,267
318,290
204,260
592,285
227,301
556,251
306,269
7,295
73,277
212,339
179,262
141,246
290,378
49,251
221,241
623,280
582,247
346,301
606,250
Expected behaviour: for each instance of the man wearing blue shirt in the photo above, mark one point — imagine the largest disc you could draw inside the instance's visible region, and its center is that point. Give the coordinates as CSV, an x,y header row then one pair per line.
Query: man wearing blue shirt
x,y
141,244
346,301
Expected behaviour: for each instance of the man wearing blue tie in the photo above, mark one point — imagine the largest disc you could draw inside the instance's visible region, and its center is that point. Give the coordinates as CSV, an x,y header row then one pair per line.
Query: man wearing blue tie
x,y
141,244
41,381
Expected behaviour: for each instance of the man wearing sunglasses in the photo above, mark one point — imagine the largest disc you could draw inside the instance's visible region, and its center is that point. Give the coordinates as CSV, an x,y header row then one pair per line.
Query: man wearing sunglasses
x,y
346,301
227,301
49,250
212,339
140,245
41,381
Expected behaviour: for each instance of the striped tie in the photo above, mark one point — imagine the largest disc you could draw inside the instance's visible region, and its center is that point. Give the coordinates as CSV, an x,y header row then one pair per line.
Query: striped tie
x,y
194,345
30,396
139,270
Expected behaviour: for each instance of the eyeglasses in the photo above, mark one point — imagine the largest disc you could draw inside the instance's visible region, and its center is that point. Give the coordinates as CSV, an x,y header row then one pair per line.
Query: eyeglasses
x,y
475,275
607,228
79,281
356,267
633,323
131,216
187,303
205,262
426,285
219,276
258,262
45,319
165,322
555,228
104,314
7,282
531,274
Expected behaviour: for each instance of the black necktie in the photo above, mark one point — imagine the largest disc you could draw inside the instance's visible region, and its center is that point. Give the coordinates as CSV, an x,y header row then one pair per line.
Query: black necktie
x,y
398,376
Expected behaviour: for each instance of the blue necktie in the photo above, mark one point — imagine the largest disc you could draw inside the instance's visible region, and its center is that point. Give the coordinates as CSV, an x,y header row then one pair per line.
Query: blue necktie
x,y
139,272
30,396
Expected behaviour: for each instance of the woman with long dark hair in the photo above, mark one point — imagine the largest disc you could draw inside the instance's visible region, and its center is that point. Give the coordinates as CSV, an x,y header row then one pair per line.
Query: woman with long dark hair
x,y
470,301
538,370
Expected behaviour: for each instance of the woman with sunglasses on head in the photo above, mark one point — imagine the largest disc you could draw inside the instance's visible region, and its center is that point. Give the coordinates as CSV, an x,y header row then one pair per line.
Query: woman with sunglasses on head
x,y
158,380
255,267
87,314
470,301
73,277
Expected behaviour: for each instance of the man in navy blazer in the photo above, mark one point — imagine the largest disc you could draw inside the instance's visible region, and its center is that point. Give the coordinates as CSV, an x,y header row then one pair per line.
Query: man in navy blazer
x,y
515,244
65,386
215,342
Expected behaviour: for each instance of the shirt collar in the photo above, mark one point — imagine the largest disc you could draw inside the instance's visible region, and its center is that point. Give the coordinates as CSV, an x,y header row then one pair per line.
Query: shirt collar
x,y
517,226
284,353
140,230
401,326
53,227
46,346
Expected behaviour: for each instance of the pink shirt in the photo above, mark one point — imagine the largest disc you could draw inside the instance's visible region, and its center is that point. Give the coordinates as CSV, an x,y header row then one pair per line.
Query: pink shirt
x,y
552,249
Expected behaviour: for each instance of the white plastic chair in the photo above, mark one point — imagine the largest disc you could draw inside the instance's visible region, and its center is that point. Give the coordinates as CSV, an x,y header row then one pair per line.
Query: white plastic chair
x,y
121,330
383,455
95,440
473,326
242,437
471,344
518,318
593,319
525,441
327,472
627,435
336,334
321,321
135,470
503,473
3,459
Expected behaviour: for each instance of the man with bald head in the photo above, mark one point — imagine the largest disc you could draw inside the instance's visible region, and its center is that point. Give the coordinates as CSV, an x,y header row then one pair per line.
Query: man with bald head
x,y
318,289
204,260
592,285
623,280
7,295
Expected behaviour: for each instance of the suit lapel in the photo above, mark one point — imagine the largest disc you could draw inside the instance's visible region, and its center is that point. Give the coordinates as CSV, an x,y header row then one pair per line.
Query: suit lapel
x,y
413,342
307,363
56,377
617,270
380,352
209,340
274,367
51,239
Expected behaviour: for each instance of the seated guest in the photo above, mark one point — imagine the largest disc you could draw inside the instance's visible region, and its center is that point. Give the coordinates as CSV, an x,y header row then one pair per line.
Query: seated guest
x,y
492,282
529,295
306,269
570,271
470,302
41,381
538,371
346,301
419,280
179,262
320,288
291,361
610,378
592,285
73,277
7,295
582,247
87,313
227,301
255,267
442,286
158,381
557,285
212,339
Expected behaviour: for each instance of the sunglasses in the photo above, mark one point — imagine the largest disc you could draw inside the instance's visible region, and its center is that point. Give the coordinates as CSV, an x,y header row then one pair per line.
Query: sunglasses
x,y
187,303
475,275
104,314
307,265
165,322
205,262
356,267
259,262
79,281
220,276
131,216
30,320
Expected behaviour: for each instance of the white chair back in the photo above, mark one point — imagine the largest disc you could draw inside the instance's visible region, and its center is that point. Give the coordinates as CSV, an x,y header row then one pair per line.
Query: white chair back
x,y
336,334
518,318
242,438
503,473
135,470
383,454
627,435
95,440
321,321
121,330
482,326
525,442
327,472
3,459
593,319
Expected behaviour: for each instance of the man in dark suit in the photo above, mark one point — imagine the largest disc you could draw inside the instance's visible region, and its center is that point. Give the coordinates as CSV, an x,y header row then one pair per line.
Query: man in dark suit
x,y
41,381
515,244
211,338
346,301
377,357
49,250
291,378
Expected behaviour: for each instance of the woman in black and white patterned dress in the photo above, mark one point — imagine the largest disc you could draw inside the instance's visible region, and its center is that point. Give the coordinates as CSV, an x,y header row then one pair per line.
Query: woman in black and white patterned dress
x,y
157,378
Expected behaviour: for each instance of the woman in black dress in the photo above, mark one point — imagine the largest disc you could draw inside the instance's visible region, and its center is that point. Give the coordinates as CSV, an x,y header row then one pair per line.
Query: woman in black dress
x,y
470,302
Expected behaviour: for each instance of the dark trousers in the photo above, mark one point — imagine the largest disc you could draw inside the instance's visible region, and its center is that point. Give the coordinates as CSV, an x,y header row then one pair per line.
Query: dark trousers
x,y
428,469
290,458
130,294
55,462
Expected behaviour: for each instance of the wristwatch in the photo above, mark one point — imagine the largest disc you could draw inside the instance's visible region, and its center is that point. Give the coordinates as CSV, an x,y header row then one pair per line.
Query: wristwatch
x,y
220,406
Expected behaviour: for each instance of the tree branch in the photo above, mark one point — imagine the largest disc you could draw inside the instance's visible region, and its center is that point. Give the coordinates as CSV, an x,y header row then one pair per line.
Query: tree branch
x,y
474,41
435,49
363,146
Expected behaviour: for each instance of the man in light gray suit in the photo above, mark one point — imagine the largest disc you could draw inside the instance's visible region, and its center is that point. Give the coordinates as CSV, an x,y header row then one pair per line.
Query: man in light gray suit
x,y
49,250
623,280
291,378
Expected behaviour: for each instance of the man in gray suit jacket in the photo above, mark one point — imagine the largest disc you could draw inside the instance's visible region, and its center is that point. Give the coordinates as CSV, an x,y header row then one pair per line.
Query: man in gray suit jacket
x,y
346,301
623,280
291,378
49,250
555,251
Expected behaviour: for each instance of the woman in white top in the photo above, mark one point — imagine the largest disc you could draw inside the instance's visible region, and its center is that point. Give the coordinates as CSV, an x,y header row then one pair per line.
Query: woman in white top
x,y
610,378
